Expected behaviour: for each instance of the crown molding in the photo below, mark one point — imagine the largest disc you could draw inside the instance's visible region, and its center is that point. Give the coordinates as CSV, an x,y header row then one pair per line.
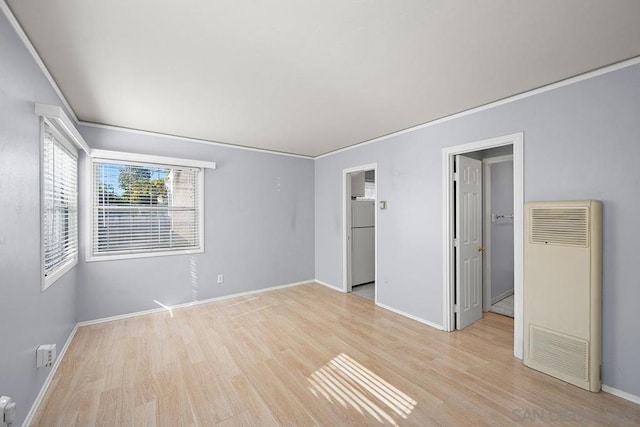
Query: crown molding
x,y
196,140
552,86
4,7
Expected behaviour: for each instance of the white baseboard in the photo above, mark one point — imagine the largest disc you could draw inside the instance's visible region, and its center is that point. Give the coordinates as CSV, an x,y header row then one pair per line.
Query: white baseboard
x,y
335,288
386,307
125,316
47,382
623,394
410,316
45,386
189,304
501,296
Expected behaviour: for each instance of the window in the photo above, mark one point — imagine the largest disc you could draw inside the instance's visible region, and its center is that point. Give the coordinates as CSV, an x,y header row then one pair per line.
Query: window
x,y
59,204
145,209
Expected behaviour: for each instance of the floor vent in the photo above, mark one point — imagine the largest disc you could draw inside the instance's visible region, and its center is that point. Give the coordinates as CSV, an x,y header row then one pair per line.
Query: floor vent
x,y
562,353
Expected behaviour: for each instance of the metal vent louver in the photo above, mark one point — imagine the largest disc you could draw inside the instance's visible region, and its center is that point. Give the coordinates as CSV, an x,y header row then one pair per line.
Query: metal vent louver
x,y
560,226
562,353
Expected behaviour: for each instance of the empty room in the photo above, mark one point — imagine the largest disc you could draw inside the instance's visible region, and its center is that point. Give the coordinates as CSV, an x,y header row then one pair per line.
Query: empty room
x,y
399,213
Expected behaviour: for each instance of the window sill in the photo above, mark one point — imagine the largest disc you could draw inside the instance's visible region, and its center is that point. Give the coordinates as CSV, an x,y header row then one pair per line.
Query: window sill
x,y
124,256
52,278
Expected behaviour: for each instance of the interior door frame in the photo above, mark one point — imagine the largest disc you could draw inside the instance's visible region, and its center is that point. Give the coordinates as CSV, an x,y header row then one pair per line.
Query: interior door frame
x,y
486,232
448,290
346,226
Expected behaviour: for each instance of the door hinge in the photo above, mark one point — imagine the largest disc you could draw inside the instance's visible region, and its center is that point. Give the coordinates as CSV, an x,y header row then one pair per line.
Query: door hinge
x,y
456,176
455,243
456,308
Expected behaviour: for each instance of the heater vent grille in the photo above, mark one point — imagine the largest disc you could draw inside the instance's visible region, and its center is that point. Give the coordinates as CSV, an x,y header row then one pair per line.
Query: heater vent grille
x,y
561,353
560,226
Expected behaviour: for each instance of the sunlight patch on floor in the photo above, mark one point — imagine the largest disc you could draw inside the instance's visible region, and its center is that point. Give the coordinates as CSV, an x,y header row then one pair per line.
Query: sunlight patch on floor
x,y
348,383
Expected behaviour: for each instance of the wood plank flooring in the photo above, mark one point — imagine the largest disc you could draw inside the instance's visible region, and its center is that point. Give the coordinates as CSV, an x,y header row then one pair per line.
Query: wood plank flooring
x,y
307,355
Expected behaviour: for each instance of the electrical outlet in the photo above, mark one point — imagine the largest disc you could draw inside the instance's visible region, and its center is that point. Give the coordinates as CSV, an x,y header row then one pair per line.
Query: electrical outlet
x,y
45,355
7,410
220,278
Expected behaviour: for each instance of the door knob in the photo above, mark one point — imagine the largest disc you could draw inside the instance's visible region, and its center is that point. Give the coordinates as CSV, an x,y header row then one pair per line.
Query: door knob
x,y
481,248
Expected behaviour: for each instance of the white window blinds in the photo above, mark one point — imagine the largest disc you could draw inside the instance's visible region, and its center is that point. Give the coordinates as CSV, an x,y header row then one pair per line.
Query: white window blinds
x,y
59,203
145,209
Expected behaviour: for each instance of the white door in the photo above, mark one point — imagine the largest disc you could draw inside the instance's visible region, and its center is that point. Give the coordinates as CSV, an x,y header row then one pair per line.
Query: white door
x,y
468,241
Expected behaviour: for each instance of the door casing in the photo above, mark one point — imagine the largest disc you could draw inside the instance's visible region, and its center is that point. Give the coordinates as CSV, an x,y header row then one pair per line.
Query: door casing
x,y
448,153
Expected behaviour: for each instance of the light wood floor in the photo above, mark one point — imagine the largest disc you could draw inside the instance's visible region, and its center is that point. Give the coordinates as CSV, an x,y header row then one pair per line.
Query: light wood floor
x,y
308,355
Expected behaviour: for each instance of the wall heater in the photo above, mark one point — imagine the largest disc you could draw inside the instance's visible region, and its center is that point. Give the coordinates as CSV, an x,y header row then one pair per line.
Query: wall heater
x,y
563,290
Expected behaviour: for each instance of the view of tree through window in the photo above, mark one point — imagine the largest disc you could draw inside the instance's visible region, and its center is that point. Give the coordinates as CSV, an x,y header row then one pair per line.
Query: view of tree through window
x,y
140,208
134,185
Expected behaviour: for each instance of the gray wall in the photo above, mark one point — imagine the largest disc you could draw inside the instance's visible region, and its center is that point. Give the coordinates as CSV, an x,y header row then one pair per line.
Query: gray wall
x,y
29,317
259,216
581,142
502,229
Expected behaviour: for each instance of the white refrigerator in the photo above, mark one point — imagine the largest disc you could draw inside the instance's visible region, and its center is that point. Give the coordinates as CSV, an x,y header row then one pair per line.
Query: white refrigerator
x,y
362,241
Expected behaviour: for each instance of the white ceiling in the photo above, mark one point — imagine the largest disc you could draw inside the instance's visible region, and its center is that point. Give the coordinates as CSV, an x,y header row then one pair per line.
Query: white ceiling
x,y
312,77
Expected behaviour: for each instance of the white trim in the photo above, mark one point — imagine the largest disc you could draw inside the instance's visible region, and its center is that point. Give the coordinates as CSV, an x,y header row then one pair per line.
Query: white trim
x,y
517,140
518,246
148,254
486,232
148,158
188,139
410,316
335,288
447,242
201,204
47,281
87,206
566,82
43,283
622,394
47,382
61,122
486,237
502,296
70,146
34,54
192,303
51,279
346,221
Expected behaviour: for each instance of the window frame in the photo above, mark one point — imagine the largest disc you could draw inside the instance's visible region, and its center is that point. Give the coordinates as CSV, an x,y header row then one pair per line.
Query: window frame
x,y
102,156
59,271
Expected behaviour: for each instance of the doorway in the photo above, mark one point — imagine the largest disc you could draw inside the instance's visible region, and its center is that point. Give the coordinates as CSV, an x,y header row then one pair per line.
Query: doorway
x,y
466,264
498,234
360,231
